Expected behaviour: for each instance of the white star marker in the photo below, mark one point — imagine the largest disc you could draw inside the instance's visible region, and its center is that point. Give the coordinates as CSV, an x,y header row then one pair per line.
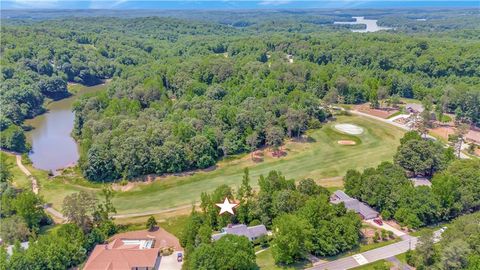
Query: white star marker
x,y
226,206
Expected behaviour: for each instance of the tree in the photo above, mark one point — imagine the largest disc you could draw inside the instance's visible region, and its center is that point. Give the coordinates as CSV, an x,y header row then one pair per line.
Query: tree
x,y
5,170
246,196
425,249
287,201
103,210
14,229
234,252
310,188
373,98
29,206
291,240
458,137
252,142
13,138
455,255
229,252
151,223
421,157
409,136
78,207
274,137
296,122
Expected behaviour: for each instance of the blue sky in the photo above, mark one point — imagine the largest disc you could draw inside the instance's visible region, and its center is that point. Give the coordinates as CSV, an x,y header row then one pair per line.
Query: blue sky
x,y
226,4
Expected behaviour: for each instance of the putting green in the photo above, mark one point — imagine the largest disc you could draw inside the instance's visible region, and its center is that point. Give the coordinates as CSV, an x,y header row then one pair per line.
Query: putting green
x,y
320,158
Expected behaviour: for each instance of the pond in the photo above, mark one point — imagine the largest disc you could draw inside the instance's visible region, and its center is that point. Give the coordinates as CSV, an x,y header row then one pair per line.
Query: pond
x,y
53,147
371,25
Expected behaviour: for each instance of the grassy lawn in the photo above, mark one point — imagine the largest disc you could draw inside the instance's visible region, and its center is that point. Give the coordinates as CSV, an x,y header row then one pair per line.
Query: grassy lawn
x,y
265,262
323,159
19,179
372,266
402,257
362,248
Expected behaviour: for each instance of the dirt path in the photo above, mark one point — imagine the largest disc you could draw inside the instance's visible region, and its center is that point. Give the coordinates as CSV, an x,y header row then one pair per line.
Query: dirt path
x,y
35,187
27,173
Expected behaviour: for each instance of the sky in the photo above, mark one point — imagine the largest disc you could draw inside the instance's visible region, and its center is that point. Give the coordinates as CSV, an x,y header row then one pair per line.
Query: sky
x,y
228,4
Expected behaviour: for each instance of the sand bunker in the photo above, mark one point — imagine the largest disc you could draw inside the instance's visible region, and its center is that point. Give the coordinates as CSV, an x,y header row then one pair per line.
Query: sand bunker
x,y
349,129
346,142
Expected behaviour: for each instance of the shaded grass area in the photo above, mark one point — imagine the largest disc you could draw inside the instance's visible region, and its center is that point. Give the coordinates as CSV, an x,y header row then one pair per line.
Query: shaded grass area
x,y
322,158
265,262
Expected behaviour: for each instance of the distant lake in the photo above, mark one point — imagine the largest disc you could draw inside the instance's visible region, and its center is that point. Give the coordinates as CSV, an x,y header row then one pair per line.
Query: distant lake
x,y
53,147
371,25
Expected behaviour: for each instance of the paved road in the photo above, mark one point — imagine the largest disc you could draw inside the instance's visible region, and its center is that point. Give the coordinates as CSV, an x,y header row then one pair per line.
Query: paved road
x,y
369,256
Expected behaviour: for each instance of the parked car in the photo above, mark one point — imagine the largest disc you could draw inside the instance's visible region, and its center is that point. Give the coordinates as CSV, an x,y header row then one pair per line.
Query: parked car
x,y
378,221
179,257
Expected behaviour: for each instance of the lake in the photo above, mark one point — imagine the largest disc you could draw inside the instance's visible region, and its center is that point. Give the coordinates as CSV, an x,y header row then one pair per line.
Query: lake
x,y
53,147
371,25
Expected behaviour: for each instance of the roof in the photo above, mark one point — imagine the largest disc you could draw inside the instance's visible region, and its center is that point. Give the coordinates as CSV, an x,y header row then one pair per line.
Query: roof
x,y
353,204
105,258
242,230
416,107
341,195
131,249
162,238
420,181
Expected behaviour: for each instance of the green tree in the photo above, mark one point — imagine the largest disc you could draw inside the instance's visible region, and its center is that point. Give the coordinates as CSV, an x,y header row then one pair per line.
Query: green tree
x,y
13,138
29,206
291,240
151,223
78,207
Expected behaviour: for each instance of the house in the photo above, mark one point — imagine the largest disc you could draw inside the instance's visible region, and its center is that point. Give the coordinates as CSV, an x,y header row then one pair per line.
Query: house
x,y
365,211
251,233
414,108
136,250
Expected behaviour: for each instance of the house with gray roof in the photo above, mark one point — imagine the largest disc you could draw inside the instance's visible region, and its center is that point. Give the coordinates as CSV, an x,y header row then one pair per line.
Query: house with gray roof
x,y
251,233
365,211
414,108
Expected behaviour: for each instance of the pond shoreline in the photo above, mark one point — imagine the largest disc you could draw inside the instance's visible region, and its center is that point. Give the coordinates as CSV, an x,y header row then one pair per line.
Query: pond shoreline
x,y
53,147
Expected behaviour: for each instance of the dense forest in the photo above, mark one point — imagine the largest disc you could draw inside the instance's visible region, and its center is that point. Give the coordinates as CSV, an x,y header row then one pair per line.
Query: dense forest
x,y
186,92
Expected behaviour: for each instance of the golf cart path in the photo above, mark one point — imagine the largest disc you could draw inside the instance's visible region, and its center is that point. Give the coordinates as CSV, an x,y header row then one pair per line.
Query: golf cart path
x,y
391,122
35,187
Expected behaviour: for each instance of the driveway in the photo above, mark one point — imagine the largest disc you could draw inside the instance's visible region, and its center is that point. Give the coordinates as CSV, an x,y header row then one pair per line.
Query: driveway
x,y
387,227
170,262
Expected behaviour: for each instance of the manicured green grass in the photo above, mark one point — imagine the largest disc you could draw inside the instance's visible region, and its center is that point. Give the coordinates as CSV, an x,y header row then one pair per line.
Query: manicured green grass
x,y
372,266
265,262
323,158
360,249
19,179
402,257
